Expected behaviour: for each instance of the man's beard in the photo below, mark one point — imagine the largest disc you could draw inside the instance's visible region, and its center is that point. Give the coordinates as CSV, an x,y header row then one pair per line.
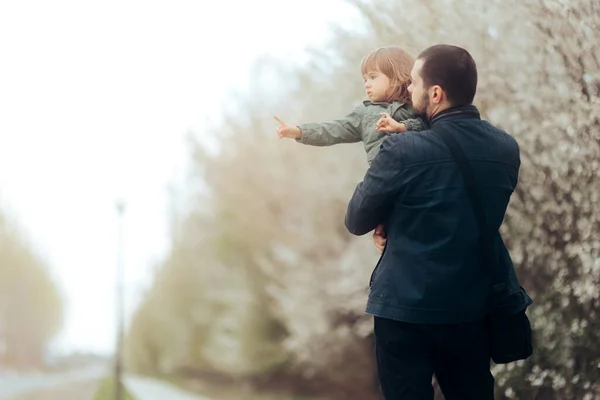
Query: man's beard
x,y
420,109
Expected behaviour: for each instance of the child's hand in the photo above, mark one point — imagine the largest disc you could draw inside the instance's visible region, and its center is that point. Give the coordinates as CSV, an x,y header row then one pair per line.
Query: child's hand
x,y
379,238
388,124
380,230
284,130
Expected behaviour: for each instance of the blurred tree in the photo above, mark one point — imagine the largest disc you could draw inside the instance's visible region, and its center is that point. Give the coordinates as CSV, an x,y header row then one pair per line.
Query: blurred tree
x,y
30,303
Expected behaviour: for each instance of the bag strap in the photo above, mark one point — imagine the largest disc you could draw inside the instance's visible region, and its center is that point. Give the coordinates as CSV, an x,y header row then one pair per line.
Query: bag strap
x,y
486,238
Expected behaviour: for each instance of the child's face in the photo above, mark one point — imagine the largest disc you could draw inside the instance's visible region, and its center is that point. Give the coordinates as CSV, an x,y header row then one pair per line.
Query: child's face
x,y
376,85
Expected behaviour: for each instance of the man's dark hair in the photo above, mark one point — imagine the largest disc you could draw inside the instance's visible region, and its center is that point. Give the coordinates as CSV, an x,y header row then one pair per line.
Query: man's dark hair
x,y
453,69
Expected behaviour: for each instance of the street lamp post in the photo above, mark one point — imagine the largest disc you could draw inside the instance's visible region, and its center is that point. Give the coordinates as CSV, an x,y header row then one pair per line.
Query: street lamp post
x,y
119,305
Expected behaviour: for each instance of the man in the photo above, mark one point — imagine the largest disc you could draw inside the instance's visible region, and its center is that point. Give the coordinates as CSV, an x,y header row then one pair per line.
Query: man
x,y
429,291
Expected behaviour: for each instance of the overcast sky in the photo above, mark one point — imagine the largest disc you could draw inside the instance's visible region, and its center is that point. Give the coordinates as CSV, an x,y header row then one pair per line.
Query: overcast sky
x,y
95,100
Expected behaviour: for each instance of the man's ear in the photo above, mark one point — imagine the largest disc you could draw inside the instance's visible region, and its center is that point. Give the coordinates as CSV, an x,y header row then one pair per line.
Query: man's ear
x,y
437,94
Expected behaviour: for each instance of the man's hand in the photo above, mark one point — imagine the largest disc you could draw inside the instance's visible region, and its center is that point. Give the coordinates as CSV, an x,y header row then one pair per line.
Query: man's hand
x,y
379,238
284,130
389,124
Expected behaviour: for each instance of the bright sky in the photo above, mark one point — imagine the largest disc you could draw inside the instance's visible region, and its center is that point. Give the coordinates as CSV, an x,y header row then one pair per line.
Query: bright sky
x,y
95,100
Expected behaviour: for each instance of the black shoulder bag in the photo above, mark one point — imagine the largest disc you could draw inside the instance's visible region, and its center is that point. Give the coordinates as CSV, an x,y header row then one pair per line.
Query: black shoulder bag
x,y
510,337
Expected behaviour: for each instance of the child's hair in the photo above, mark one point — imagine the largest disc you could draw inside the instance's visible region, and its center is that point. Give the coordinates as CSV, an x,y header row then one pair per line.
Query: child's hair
x,y
396,64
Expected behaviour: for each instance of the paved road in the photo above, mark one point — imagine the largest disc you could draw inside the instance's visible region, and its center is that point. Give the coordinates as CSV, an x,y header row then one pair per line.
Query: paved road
x,y
17,386
71,391
13,384
143,388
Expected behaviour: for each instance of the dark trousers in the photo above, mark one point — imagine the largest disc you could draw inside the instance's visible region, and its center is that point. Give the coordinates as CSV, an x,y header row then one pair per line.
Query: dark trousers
x,y
409,354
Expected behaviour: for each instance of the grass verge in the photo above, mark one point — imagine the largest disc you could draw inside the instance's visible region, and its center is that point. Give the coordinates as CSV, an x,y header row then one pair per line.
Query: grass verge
x,y
232,392
106,390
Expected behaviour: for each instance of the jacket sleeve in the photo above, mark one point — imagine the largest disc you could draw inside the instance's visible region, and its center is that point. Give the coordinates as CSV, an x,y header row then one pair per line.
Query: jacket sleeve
x,y
373,199
407,117
343,130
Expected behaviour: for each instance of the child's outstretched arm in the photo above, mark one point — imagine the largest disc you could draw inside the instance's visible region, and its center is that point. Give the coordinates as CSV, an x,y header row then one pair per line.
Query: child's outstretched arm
x,y
343,130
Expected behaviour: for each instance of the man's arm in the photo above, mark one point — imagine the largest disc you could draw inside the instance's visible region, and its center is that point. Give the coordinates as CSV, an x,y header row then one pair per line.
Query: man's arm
x,y
373,198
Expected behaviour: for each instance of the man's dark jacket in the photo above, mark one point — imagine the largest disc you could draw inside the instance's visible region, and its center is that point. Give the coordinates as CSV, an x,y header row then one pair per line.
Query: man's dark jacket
x,y
431,270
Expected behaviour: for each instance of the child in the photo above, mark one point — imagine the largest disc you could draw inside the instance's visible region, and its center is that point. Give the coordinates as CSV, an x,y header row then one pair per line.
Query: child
x,y
386,72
